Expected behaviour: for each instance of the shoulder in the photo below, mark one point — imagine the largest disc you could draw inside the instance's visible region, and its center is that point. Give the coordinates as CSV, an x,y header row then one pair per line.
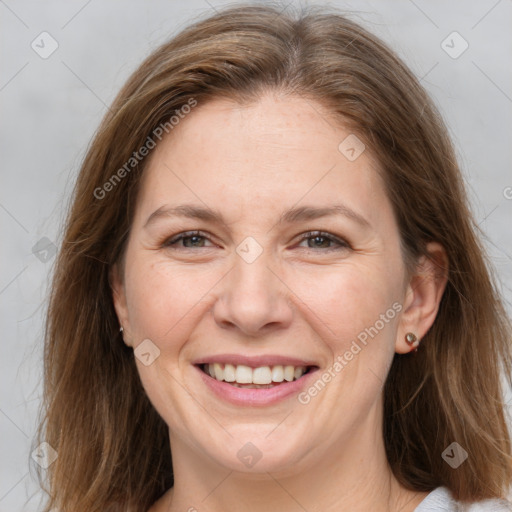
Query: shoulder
x,y
441,500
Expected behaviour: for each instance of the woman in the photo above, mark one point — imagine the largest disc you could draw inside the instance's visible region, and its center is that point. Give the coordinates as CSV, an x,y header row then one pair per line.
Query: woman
x,y
270,271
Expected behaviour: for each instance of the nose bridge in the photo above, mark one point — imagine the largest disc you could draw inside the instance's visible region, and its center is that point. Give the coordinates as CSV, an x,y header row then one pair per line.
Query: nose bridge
x,y
253,296
251,273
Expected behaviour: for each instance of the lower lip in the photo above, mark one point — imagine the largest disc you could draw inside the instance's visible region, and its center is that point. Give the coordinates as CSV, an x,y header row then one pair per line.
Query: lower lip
x,y
255,396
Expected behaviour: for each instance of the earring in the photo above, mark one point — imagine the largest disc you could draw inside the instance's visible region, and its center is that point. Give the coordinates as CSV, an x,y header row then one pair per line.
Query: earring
x,y
121,330
412,341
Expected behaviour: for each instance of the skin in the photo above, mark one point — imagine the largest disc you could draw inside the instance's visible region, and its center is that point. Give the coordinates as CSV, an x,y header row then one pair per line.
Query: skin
x,y
299,298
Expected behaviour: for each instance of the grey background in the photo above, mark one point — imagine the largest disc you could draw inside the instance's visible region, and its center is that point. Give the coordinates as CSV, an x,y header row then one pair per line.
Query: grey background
x,y
51,107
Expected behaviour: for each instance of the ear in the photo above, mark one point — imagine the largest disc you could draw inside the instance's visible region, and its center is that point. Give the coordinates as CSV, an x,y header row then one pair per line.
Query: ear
x,y
423,296
120,304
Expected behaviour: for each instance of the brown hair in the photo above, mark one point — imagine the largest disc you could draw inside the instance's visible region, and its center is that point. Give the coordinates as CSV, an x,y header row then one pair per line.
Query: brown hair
x,y
113,447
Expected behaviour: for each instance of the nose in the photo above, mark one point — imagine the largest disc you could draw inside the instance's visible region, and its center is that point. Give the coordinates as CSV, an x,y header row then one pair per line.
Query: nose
x,y
253,299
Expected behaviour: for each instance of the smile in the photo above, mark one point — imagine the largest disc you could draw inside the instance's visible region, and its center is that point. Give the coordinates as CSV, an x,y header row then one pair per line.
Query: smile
x,y
254,381
254,378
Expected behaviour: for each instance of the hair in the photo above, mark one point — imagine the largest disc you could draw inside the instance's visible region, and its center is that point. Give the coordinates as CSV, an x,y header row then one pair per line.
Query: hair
x,y
113,447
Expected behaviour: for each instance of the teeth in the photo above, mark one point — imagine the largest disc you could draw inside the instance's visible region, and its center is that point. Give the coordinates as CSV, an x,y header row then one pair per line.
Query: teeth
x,y
218,371
243,374
229,373
289,373
263,376
277,374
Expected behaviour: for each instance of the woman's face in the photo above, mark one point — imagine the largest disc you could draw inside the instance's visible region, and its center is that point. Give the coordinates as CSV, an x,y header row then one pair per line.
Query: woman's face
x,y
255,292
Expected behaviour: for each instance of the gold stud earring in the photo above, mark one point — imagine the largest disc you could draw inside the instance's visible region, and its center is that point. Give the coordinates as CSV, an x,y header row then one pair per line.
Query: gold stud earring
x,y
410,337
412,340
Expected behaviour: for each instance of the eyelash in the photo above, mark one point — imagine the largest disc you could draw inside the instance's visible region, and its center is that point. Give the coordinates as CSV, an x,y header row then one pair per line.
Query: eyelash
x,y
170,242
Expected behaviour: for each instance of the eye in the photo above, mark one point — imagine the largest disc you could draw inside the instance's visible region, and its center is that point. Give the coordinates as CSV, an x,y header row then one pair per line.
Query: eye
x,y
320,239
196,239
190,239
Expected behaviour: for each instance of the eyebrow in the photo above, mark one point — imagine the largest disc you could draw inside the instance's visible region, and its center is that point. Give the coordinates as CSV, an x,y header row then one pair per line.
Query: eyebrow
x,y
293,215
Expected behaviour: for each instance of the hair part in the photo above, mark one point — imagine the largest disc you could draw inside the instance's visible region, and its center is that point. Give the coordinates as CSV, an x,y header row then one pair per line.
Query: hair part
x,y
96,414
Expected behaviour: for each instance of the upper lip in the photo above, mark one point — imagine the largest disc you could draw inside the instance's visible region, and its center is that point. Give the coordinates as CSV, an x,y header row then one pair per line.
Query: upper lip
x,y
254,361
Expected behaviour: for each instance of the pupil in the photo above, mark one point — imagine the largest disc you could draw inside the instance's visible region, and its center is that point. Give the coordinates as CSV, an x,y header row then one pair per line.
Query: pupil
x,y
194,239
318,238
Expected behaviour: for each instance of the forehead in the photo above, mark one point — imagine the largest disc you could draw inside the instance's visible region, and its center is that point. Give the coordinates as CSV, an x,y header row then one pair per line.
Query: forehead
x,y
263,156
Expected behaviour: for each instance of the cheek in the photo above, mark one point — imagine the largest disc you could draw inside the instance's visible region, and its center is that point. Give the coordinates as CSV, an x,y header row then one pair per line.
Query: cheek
x,y
350,301
164,299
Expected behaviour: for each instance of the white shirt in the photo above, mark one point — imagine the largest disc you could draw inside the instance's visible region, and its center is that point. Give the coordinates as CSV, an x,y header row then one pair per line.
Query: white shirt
x,y
441,500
